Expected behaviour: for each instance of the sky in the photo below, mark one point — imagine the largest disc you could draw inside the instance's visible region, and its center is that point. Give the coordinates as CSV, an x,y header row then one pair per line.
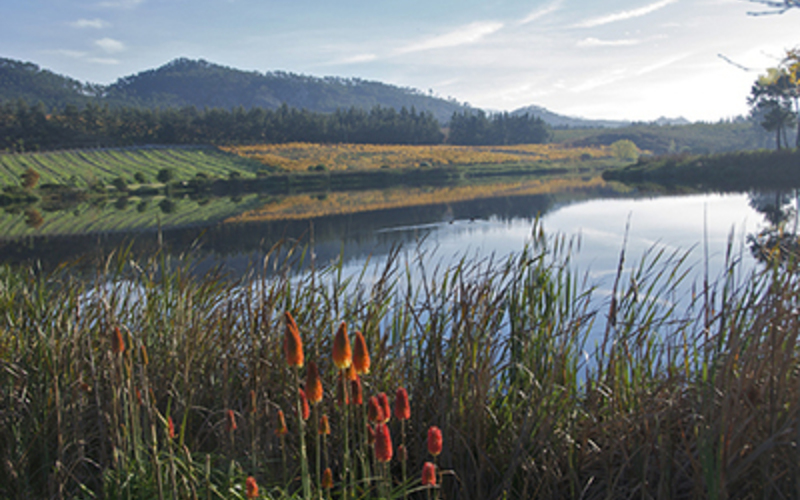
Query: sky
x,y
610,59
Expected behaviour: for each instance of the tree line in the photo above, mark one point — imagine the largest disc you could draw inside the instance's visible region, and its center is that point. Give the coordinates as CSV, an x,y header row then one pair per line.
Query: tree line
x,y
478,128
32,128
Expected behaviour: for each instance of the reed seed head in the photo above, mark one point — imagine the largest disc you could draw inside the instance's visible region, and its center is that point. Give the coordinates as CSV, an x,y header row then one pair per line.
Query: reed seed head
x,y
434,440
402,409
361,360
313,384
428,474
292,343
117,341
383,443
342,356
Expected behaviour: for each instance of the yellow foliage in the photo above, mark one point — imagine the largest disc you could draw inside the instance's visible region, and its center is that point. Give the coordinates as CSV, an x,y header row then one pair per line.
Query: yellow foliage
x,y
308,206
300,157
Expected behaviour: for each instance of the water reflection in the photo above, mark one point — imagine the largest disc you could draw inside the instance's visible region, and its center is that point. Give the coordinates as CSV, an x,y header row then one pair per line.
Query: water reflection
x,y
778,241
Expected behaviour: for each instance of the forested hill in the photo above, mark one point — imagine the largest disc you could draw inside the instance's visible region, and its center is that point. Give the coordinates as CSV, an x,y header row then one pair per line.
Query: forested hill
x,y
198,83
202,84
27,81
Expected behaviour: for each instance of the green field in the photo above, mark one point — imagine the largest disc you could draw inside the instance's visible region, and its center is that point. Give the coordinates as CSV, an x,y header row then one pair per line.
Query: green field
x,y
83,167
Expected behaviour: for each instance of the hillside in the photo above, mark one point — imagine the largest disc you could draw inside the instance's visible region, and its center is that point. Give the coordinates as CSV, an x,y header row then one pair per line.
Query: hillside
x,y
25,80
185,82
198,83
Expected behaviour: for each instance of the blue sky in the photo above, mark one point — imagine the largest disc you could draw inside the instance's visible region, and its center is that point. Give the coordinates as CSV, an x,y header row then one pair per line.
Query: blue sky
x,y
615,59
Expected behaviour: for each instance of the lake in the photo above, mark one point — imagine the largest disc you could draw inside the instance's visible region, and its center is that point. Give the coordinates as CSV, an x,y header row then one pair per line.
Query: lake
x,y
446,223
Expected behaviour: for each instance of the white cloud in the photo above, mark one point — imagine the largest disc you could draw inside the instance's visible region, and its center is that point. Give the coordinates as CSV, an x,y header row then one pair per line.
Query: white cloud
x,y
541,12
120,4
624,15
464,35
103,60
110,45
74,54
358,58
596,42
89,23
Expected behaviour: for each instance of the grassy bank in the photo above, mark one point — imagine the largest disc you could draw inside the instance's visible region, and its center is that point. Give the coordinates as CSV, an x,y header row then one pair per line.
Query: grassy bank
x,y
695,403
736,171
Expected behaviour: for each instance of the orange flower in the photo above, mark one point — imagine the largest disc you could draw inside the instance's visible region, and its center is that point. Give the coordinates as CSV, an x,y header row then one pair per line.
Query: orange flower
x,y
434,440
374,410
401,453
170,427
356,392
304,404
292,343
402,410
313,384
138,396
327,479
281,430
117,342
324,426
383,399
351,373
230,421
428,474
370,435
360,354
342,357
252,487
383,443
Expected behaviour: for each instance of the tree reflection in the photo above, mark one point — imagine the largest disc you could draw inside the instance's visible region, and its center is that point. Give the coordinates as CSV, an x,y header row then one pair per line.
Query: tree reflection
x,y
777,243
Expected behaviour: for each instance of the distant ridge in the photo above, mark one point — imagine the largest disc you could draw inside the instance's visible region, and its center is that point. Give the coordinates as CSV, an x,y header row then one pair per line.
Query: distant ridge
x,y
202,84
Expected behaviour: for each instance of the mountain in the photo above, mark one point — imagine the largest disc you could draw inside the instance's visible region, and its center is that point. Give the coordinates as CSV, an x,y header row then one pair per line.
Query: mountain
x,y
563,121
25,80
186,82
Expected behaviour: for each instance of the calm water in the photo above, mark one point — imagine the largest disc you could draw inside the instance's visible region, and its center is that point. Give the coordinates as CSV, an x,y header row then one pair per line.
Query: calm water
x,y
597,216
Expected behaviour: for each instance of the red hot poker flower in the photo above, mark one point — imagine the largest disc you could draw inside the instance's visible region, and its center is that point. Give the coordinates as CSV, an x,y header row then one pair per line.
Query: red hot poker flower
x,y
230,421
428,474
252,487
370,435
402,410
434,440
327,479
292,343
360,354
356,392
374,410
383,443
383,399
324,426
342,356
281,430
313,384
170,427
304,404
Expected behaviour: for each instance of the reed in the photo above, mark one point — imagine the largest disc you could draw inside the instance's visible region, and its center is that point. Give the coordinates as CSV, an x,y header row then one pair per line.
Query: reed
x,y
679,396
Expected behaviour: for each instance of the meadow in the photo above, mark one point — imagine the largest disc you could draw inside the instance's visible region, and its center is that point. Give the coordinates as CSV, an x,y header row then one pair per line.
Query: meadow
x,y
151,382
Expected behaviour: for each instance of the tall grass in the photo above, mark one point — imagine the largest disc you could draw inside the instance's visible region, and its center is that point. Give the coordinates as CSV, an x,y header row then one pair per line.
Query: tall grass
x,y
691,401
